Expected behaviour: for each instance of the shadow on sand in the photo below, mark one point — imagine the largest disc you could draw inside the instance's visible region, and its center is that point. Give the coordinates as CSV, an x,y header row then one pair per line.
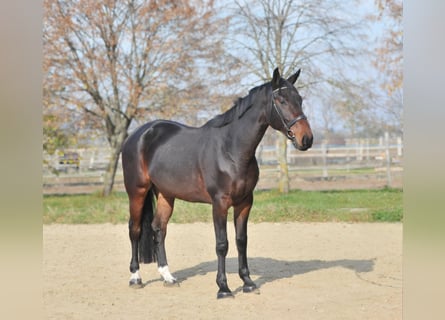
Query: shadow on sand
x,y
270,270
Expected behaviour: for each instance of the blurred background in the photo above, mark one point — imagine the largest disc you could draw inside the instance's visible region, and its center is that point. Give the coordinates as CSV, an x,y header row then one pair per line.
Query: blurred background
x,y
110,66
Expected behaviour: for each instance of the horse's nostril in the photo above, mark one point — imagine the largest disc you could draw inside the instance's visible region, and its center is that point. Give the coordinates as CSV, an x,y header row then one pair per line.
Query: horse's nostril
x,y
307,141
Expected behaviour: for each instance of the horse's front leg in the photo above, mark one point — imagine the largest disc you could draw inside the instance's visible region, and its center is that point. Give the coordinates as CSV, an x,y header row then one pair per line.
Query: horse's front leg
x,y
241,216
222,246
164,211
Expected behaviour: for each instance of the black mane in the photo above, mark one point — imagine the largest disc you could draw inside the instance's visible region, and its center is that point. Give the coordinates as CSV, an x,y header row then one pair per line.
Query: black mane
x,y
227,117
237,111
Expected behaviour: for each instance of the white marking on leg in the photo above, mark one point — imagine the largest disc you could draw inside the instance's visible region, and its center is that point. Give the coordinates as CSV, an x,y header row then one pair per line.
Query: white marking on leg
x,y
165,273
135,275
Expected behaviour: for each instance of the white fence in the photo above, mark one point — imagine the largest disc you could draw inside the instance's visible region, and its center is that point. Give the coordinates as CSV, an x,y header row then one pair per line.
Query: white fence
x,y
379,160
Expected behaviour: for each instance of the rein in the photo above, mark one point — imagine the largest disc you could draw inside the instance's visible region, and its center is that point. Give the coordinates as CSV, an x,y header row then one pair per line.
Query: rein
x,y
287,126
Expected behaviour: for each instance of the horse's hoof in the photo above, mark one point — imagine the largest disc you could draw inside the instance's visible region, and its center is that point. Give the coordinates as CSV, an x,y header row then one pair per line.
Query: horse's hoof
x,y
136,283
224,294
248,289
171,284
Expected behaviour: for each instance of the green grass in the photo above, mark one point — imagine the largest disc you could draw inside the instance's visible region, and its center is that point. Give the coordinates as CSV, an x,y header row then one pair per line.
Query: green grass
x,y
318,206
383,205
91,208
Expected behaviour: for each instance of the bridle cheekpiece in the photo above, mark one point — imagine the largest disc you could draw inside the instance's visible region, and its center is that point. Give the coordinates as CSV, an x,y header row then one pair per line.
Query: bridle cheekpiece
x,y
286,125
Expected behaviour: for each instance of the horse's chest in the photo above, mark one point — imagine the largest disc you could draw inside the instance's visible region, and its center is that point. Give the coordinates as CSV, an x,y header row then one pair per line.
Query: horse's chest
x,y
244,181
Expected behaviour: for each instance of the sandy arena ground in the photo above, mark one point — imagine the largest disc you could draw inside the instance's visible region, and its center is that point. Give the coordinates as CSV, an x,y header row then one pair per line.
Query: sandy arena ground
x,y
303,270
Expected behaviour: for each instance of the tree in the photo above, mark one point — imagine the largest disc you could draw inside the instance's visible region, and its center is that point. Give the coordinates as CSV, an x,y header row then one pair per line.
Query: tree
x,y
390,54
351,104
54,136
389,60
110,61
312,35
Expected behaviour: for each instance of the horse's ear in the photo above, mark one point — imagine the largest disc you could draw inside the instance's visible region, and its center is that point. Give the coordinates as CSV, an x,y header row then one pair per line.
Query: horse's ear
x,y
276,79
293,79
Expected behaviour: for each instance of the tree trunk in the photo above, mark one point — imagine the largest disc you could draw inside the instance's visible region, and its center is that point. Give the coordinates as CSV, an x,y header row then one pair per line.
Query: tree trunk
x,y
283,184
110,173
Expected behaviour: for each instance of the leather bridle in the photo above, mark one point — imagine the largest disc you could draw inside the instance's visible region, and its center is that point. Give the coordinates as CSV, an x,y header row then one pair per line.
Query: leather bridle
x,y
287,125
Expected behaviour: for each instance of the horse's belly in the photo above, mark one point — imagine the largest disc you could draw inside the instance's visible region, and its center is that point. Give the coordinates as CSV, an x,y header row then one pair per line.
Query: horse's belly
x,y
185,191
181,182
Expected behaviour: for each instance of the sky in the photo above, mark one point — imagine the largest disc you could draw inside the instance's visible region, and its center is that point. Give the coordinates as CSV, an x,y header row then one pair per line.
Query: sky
x,y
360,70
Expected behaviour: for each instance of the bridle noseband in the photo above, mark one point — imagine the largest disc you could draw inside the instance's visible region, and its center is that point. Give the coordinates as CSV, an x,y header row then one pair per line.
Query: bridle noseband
x,y
286,125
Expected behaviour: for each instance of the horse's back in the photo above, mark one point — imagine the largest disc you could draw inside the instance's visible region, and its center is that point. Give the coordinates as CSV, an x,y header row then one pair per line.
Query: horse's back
x,y
150,135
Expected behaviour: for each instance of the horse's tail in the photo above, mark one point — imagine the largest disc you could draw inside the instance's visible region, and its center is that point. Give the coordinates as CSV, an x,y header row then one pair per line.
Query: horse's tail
x,y
147,245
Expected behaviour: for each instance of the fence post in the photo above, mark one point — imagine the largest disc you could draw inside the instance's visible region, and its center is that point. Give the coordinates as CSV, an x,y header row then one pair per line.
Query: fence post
x,y
367,150
360,150
324,151
388,160
399,146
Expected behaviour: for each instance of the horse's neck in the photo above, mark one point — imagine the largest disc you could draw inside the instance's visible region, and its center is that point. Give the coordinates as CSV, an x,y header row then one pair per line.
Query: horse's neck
x,y
248,131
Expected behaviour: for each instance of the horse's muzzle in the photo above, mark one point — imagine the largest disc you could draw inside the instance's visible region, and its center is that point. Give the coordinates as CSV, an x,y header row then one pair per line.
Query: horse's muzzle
x,y
306,142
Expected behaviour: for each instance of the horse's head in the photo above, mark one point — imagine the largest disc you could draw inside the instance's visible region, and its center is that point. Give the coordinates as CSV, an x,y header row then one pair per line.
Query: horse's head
x,y
287,114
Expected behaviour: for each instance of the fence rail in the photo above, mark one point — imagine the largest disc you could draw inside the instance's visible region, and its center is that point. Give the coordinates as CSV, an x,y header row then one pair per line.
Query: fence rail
x,y
358,164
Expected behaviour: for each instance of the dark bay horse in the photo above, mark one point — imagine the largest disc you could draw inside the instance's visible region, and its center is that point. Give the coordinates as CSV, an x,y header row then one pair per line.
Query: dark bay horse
x,y
214,164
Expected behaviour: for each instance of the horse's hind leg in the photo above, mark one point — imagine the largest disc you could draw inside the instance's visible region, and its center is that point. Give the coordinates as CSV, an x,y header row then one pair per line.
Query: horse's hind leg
x,y
164,211
241,215
137,200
